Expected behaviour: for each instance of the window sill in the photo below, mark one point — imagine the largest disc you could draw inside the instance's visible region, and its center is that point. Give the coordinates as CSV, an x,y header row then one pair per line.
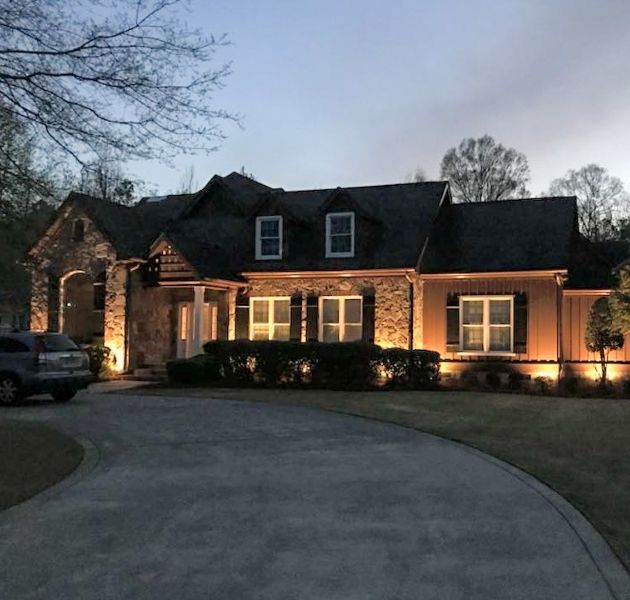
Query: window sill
x,y
341,255
268,257
481,353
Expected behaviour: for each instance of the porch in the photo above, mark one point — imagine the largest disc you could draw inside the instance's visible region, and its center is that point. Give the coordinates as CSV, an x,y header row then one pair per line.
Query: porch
x,y
174,320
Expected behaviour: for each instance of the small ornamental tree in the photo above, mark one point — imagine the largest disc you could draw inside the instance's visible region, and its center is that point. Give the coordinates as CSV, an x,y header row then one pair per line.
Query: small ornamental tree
x,y
620,301
602,334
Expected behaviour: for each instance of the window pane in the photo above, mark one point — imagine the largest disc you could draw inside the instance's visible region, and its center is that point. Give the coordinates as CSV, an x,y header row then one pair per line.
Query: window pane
x,y
473,312
269,228
340,243
352,333
500,338
473,338
260,332
331,310
261,311
500,312
331,333
281,332
270,246
281,311
353,310
340,224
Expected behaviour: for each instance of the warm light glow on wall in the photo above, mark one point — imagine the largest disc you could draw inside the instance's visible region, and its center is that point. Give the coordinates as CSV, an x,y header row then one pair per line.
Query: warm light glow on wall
x,y
384,344
548,372
117,357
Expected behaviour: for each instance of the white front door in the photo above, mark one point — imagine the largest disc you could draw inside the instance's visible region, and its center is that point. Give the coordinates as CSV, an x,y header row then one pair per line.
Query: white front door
x,y
190,335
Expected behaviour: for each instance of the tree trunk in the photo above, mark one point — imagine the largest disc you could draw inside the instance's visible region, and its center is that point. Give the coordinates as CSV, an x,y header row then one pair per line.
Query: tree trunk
x,y
603,361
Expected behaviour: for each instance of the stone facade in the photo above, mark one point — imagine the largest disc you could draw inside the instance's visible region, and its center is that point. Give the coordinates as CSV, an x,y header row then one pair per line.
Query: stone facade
x,y
392,314
153,320
58,256
141,322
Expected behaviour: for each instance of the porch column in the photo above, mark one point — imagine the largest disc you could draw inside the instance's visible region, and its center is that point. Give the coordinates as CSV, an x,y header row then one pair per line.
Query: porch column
x,y
116,313
197,320
231,314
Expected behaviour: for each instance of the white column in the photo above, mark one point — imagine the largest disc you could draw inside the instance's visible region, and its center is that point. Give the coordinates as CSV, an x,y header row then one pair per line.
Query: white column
x,y
197,321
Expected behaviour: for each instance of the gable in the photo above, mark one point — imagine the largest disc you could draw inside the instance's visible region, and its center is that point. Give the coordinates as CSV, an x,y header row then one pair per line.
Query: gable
x,y
58,251
167,263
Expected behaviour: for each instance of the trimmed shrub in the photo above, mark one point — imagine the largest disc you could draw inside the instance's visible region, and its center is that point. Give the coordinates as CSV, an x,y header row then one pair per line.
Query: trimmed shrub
x,y
99,357
195,370
469,379
516,379
626,387
415,369
543,384
569,386
354,365
493,379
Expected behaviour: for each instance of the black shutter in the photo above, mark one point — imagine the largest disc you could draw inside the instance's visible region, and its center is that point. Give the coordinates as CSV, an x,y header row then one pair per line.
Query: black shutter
x,y
53,302
295,329
369,305
452,323
520,323
312,318
242,317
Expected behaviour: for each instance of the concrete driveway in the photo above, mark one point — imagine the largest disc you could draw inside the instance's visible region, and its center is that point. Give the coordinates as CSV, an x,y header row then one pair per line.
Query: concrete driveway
x,y
191,499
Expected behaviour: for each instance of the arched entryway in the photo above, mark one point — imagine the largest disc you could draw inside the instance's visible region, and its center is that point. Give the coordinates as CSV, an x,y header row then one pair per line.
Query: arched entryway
x,y
82,300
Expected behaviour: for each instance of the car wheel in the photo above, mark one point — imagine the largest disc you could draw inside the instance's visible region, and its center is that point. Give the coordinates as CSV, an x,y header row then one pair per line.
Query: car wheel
x,y
64,395
9,390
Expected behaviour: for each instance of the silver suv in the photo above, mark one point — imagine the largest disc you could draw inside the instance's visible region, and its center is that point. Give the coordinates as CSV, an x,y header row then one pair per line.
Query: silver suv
x,y
39,363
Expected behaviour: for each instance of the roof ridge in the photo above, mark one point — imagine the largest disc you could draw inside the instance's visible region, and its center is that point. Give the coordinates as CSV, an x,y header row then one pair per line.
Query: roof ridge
x,y
534,198
363,187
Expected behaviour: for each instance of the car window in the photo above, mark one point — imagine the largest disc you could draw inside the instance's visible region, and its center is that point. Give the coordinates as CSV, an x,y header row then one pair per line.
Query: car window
x,y
11,345
57,342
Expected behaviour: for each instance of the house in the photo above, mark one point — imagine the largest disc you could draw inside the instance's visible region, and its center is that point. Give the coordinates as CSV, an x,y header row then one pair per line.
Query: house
x,y
399,265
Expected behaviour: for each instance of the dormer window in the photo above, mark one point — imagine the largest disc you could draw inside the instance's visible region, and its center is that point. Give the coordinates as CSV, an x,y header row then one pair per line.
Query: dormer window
x,y
339,234
268,238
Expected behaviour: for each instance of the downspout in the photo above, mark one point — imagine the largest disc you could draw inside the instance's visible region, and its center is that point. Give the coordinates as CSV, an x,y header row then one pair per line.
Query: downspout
x,y
559,301
411,310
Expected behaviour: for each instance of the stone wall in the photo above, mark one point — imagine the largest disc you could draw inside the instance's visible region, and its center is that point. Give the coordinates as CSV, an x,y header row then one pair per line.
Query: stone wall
x,y
418,304
57,256
151,327
392,313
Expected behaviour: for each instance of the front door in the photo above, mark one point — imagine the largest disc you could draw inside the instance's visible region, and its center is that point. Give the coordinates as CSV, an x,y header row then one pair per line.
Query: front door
x,y
190,335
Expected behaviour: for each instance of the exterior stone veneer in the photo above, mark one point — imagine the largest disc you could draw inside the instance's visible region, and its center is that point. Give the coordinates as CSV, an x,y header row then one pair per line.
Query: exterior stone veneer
x,y
57,256
392,312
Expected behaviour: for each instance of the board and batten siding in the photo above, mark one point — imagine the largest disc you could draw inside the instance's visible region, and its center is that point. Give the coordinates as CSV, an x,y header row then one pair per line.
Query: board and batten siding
x,y
575,309
542,312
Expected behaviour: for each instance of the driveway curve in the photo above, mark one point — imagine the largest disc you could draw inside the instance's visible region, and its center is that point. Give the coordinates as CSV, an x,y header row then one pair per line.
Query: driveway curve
x,y
194,499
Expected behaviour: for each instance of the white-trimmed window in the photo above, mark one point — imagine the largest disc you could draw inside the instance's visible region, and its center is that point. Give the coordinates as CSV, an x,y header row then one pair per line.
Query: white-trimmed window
x,y
340,234
268,238
269,318
487,324
341,318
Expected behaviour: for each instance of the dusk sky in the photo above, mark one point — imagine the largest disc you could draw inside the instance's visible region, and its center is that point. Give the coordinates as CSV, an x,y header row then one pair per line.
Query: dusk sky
x,y
359,92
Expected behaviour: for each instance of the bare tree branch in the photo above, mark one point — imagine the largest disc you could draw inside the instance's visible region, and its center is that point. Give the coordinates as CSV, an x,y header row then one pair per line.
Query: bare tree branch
x,y
116,78
480,170
602,200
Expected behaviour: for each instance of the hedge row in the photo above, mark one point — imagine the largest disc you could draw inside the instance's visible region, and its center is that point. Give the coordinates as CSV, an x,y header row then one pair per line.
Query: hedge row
x,y
312,364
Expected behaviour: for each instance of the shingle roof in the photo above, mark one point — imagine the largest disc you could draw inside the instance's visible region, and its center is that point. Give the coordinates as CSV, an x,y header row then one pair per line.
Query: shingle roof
x,y
507,235
131,229
511,235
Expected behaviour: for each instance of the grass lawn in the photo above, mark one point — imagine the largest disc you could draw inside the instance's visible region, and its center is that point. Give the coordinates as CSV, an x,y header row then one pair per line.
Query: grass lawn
x,y
32,458
580,447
